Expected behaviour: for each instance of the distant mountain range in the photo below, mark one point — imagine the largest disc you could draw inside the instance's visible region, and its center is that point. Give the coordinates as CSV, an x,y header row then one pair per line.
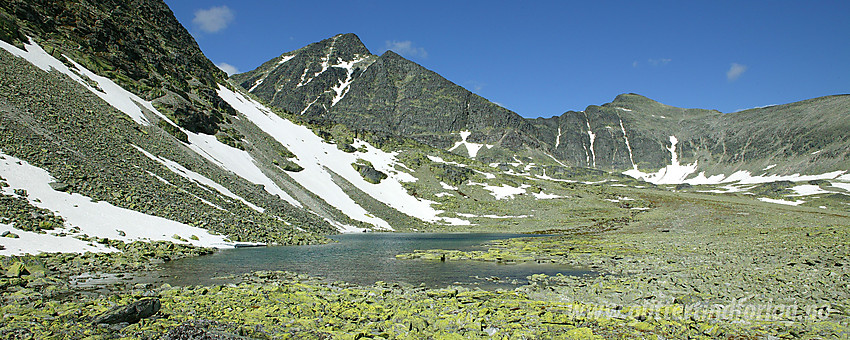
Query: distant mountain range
x,y
338,81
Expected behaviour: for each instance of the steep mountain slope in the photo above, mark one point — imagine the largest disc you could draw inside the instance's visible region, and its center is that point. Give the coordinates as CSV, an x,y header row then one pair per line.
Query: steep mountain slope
x,y
337,80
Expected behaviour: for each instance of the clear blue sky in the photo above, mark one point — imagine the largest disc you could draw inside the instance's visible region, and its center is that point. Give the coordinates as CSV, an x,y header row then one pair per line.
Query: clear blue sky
x,y
542,58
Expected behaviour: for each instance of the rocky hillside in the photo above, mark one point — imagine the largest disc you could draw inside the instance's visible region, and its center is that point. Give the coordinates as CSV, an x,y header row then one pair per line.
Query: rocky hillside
x,y
337,80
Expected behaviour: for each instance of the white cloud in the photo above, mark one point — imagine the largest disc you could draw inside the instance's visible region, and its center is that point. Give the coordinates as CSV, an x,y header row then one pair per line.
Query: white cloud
x,y
406,49
635,63
227,68
658,62
213,19
735,71
476,86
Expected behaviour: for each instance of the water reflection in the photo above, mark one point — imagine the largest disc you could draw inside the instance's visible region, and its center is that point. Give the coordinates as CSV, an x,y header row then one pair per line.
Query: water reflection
x,y
364,259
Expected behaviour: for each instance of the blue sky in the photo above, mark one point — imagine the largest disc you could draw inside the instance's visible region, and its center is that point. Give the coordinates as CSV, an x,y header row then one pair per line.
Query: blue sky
x,y
542,58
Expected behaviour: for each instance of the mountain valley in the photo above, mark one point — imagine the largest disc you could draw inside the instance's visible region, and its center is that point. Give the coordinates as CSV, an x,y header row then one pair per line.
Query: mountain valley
x,y
122,147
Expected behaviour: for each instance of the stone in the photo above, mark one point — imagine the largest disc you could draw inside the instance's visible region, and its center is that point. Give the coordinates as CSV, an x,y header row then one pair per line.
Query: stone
x,y
17,270
131,313
59,186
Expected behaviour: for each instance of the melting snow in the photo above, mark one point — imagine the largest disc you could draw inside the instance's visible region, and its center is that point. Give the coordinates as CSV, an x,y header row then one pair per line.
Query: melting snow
x,y
592,137
447,187
99,219
628,146
674,173
319,159
845,186
544,196
771,200
808,189
558,139
285,58
343,86
504,191
471,148
196,177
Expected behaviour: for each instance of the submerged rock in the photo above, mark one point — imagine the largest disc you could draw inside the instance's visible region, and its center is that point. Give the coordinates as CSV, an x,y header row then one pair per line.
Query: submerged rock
x,y
131,313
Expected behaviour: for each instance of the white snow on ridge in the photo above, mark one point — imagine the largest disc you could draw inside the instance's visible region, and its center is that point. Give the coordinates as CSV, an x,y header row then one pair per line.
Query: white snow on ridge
x,y
319,159
99,219
471,148
285,58
197,178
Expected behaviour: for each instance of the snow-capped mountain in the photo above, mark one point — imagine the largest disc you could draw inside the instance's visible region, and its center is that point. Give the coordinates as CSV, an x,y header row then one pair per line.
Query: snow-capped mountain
x,y
338,81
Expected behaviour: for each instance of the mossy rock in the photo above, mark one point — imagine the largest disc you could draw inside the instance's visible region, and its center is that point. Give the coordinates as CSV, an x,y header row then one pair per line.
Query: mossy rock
x,y
369,173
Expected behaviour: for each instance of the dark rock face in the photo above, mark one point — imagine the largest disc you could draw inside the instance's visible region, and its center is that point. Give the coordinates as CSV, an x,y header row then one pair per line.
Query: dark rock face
x,y
131,313
386,93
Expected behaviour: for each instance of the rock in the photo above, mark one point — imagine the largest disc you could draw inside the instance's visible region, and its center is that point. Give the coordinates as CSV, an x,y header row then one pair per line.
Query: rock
x,y
59,186
4,233
197,330
369,173
11,235
131,313
17,270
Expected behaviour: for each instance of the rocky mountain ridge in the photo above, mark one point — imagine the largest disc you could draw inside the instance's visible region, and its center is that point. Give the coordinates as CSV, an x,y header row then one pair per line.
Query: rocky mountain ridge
x,y
391,94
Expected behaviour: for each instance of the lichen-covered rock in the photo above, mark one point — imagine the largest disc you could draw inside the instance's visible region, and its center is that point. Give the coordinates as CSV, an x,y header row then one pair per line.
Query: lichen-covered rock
x,y
131,313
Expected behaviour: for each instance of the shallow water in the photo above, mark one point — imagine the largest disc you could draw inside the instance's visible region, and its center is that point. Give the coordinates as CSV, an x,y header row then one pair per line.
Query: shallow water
x,y
364,259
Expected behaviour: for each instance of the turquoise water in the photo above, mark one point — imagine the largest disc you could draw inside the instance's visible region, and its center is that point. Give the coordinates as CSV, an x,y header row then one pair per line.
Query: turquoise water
x,y
364,259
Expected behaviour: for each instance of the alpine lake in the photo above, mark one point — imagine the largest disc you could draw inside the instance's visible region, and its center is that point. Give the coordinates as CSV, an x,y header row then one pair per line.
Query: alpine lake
x,y
366,258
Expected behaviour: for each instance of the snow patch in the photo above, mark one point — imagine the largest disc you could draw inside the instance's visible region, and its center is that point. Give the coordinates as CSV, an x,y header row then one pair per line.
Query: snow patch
x,y
197,178
471,148
784,202
99,219
808,189
544,196
592,137
343,86
284,59
321,160
674,173
504,191
558,139
628,146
